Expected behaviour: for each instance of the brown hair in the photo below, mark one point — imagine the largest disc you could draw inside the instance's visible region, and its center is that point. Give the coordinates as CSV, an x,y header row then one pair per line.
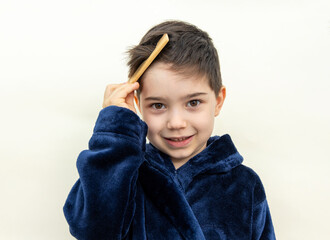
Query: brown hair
x,y
189,51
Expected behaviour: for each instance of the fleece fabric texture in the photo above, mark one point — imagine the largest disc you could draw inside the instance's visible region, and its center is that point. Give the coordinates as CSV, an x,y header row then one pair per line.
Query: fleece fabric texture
x,y
129,190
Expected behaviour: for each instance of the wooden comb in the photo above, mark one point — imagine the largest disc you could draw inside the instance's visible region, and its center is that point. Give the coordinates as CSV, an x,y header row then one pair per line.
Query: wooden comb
x,y
141,69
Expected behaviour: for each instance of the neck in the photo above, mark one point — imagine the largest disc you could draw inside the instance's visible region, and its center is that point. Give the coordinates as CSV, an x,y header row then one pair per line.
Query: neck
x,y
178,163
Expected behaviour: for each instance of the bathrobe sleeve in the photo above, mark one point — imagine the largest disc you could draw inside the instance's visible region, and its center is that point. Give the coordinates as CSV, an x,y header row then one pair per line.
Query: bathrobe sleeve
x,y
101,204
262,225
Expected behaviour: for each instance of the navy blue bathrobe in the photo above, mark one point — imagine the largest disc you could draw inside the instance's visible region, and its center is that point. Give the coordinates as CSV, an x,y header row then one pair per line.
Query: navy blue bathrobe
x,y
129,190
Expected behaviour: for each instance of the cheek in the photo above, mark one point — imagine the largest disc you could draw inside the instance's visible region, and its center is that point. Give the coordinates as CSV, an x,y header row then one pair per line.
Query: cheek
x,y
204,121
153,122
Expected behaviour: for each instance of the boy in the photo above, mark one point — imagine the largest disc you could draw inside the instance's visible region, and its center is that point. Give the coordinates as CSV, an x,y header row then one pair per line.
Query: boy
x,y
184,184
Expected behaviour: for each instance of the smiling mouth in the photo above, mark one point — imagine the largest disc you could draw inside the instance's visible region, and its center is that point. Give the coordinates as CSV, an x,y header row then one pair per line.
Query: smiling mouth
x,y
179,141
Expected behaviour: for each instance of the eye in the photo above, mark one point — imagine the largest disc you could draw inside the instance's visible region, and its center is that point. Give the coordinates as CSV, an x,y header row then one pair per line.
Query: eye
x,y
158,106
193,103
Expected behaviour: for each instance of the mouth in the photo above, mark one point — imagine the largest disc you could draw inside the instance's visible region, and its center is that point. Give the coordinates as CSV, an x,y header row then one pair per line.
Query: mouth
x,y
179,141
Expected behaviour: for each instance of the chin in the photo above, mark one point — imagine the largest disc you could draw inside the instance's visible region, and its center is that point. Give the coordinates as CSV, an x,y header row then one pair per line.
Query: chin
x,y
181,157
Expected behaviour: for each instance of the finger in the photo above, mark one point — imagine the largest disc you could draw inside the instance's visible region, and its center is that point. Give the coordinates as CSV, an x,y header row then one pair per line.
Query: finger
x,y
116,94
121,92
128,88
111,88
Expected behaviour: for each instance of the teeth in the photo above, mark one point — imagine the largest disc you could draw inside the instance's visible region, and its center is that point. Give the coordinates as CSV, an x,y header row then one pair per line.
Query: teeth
x,y
178,139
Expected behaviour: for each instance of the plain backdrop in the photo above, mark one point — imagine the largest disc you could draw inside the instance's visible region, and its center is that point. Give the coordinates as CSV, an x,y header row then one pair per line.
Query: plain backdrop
x,y
56,57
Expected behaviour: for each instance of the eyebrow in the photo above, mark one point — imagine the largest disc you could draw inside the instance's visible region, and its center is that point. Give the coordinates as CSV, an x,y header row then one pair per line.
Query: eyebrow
x,y
189,96
193,95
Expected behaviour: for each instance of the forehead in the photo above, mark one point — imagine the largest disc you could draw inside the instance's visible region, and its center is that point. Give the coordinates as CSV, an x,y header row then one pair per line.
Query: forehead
x,y
161,79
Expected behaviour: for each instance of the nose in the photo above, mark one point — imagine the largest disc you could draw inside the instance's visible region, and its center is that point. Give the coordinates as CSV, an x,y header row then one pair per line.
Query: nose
x,y
176,120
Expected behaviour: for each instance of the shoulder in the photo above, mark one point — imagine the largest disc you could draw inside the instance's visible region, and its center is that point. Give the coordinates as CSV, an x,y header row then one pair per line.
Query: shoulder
x,y
246,172
250,179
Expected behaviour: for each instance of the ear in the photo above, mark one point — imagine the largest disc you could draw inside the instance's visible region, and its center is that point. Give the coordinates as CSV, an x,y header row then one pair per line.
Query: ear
x,y
220,100
137,102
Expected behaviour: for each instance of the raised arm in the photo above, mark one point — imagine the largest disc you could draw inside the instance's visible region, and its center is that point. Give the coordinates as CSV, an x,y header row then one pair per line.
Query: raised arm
x,y
101,204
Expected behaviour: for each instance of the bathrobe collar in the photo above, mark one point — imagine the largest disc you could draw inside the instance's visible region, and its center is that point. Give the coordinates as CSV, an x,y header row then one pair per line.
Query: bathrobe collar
x,y
160,181
219,156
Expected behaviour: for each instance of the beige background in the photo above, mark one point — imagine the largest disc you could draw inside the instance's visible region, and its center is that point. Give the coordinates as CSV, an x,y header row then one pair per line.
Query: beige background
x,y
57,56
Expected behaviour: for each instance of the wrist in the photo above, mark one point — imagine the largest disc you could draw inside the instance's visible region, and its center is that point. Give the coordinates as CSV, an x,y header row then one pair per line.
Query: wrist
x,y
121,120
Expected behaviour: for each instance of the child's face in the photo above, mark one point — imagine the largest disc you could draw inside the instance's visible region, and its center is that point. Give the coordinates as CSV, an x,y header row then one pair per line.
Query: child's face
x,y
179,111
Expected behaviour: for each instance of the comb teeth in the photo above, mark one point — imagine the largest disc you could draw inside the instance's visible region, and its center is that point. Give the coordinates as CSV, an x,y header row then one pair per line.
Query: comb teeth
x,y
141,69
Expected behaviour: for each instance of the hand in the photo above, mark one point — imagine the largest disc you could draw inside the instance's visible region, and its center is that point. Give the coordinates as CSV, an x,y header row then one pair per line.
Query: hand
x,y
121,95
